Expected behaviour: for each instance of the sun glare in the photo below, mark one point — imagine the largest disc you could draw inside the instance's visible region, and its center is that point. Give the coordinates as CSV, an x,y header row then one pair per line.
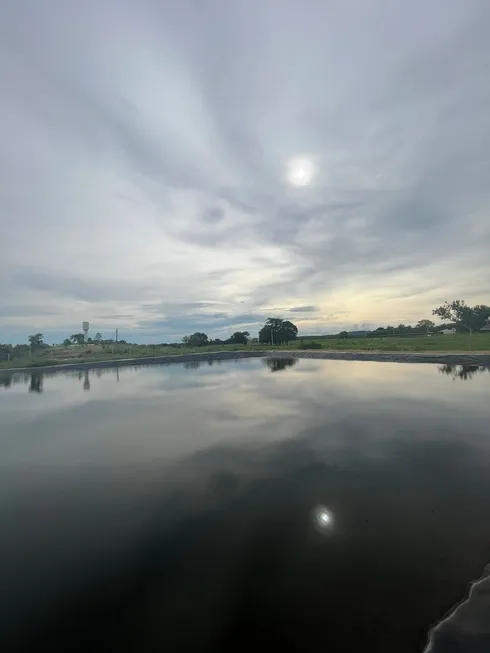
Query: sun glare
x,y
323,518
300,172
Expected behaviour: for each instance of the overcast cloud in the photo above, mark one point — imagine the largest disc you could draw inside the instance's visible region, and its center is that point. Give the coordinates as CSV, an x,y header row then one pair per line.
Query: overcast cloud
x,y
145,148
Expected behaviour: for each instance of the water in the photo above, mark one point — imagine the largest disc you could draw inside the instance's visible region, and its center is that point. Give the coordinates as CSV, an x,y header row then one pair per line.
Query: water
x,y
295,505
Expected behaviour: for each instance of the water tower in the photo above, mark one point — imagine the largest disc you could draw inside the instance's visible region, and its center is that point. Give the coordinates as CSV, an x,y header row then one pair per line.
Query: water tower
x,y
85,327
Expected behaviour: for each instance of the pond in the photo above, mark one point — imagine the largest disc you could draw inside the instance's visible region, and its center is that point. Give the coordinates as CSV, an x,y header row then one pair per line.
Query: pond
x,y
297,505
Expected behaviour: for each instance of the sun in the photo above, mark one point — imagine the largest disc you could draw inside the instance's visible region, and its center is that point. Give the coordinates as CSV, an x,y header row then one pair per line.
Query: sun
x,y
300,172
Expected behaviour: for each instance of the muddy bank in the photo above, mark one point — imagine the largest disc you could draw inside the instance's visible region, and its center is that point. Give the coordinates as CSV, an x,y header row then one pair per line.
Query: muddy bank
x,y
441,358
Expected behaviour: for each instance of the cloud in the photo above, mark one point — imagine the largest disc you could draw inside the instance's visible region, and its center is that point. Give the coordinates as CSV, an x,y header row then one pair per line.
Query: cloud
x,y
303,309
213,215
115,316
144,162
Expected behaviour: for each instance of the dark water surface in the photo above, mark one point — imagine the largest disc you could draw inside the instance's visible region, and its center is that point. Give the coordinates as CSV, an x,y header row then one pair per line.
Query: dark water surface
x,y
241,506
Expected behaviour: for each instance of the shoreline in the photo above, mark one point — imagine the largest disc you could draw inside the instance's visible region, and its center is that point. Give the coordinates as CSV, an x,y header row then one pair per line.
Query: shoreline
x,y
441,358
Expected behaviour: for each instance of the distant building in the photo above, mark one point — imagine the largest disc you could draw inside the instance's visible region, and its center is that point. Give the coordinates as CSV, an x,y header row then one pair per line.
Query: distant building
x,y
447,332
486,327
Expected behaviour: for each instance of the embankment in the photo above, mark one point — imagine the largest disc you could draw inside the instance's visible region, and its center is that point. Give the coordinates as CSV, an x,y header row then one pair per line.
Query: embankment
x,y
441,358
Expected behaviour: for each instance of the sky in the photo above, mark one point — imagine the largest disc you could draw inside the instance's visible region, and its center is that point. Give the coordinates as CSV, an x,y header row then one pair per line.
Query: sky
x,y
170,167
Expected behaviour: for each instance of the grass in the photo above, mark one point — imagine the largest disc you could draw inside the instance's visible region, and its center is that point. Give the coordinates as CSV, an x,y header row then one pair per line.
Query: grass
x,y
75,354
447,343
81,354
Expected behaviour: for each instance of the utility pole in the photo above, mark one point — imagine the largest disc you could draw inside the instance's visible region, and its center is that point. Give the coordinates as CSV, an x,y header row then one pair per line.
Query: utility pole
x,y
272,336
116,334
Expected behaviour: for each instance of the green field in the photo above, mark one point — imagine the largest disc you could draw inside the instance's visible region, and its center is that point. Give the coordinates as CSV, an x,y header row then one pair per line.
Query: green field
x,y
79,354
435,343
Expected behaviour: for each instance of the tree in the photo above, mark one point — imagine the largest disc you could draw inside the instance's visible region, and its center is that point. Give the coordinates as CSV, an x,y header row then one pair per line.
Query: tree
x,y
197,339
482,315
5,349
402,329
239,338
344,335
425,324
78,338
67,342
276,331
465,317
36,341
19,351
98,337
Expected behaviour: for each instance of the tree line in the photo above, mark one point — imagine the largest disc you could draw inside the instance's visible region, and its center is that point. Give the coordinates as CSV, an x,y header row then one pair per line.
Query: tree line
x,y
79,339
37,344
200,339
457,315
274,332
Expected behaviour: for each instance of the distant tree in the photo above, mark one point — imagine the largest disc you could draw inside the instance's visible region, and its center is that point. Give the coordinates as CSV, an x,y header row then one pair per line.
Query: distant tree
x,y
425,325
216,342
67,342
19,351
403,329
77,338
36,341
276,331
98,337
344,335
239,338
465,317
482,315
5,349
197,339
